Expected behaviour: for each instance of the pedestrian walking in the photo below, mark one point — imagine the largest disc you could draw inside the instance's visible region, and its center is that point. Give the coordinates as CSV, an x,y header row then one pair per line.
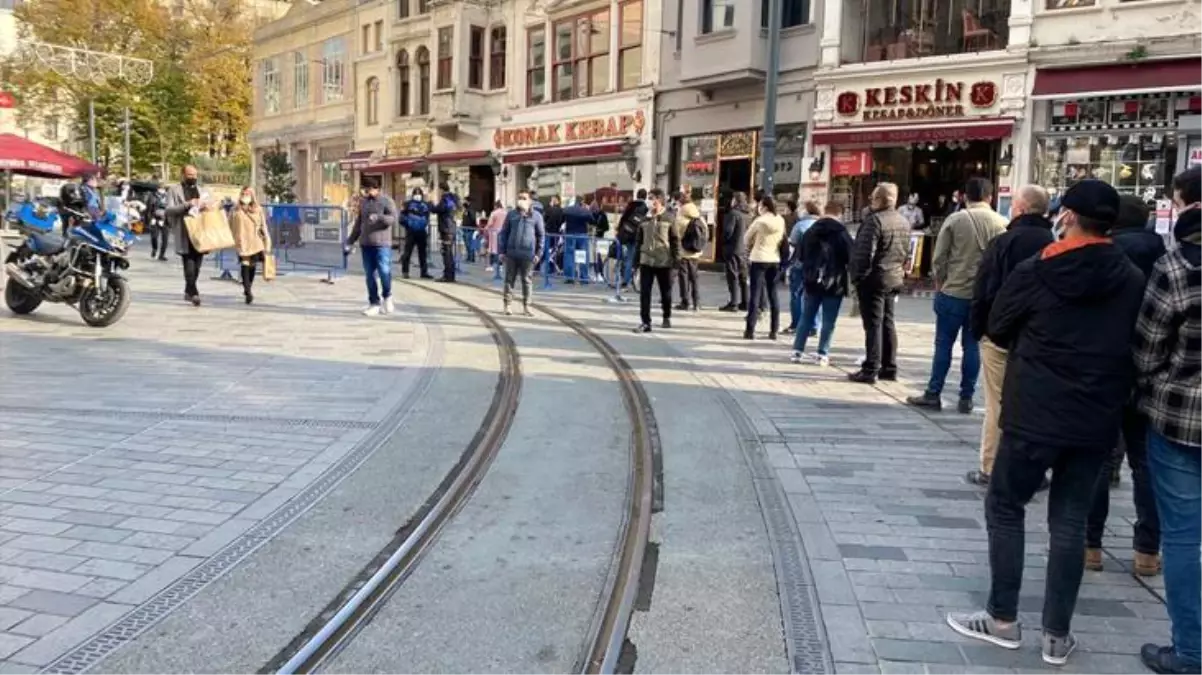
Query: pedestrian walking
x,y
694,235
878,260
521,242
373,231
156,220
656,252
763,244
1026,235
445,209
734,251
629,224
469,230
958,249
804,220
824,253
249,226
416,220
182,199
1143,247
1168,357
492,232
1067,316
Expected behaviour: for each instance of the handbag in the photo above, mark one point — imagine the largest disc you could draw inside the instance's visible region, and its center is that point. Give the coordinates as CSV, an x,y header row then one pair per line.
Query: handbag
x,y
208,231
268,266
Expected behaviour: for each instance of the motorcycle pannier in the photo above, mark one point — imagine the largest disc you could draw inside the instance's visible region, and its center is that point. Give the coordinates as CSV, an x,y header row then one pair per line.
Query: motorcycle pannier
x,y
209,231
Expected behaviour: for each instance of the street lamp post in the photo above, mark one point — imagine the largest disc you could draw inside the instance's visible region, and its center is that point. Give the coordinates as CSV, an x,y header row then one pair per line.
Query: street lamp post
x,y
768,135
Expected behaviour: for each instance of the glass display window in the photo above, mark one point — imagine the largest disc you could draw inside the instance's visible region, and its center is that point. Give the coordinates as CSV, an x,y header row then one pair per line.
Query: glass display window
x,y
1135,164
699,166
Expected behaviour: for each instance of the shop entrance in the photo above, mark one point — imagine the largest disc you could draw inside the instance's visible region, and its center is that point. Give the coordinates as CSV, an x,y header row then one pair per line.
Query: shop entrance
x,y
734,175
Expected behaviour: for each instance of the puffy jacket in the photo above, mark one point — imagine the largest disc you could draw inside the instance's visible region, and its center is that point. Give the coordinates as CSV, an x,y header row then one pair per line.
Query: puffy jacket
x,y
764,237
1143,246
734,230
417,215
1024,237
878,256
658,244
1068,318
553,215
378,232
685,215
632,218
833,234
522,235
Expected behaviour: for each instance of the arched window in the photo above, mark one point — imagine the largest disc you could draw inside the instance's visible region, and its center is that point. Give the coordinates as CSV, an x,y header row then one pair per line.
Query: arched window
x,y
373,101
402,76
423,81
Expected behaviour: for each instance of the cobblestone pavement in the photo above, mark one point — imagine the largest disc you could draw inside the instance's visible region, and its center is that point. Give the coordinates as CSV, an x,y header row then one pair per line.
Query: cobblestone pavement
x,y
894,536
130,456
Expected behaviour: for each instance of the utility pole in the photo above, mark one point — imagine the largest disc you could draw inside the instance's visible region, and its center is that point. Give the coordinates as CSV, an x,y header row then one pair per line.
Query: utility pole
x,y
127,174
768,135
92,129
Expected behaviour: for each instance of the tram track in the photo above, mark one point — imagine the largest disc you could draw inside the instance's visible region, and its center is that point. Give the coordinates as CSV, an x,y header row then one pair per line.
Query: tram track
x,y
604,649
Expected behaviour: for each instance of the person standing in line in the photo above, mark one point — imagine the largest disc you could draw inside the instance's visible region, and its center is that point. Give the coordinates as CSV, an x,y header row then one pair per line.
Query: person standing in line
x,y
1168,357
656,253
577,223
469,230
157,220
444,209
692,248
521,244
1027,235
958,249
763,241
416,219
373,231
182,200
734,252
251,237
803,221
912,212
553,217
824,255
629,224
878,263
1067,316
492,230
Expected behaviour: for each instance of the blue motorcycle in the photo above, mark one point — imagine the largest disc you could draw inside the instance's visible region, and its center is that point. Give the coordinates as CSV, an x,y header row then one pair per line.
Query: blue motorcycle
x,y
82,269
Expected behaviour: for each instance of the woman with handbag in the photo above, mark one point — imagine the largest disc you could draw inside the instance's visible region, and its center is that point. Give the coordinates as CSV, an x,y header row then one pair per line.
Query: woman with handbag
x,y
252,239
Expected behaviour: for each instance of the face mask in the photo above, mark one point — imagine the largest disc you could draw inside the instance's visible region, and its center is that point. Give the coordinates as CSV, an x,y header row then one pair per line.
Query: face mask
x,y
524,204
417,196
190,182
246,199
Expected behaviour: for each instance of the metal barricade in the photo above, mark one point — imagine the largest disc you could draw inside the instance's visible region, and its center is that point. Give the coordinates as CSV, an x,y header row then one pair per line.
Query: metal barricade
x,y
304,238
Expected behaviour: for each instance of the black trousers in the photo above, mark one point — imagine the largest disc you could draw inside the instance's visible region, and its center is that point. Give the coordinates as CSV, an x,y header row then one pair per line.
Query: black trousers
x,y
736,274
880,333
662,276
763,282
192,263
1133,443
248,270
159,234
1017,473
419,240
448,258
686,276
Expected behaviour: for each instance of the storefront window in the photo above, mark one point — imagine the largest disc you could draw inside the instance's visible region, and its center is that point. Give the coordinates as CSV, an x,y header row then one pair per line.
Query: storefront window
x,y
699,166
607,182
886,30
335,184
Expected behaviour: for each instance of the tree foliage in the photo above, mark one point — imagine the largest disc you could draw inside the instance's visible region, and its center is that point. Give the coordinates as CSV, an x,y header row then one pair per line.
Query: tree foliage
x,y
198,102
278,179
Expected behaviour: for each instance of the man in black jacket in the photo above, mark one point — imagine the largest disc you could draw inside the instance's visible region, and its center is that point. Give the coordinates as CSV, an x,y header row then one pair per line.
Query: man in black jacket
x,y
1068,317
734,251
1025,236
878,261
445,208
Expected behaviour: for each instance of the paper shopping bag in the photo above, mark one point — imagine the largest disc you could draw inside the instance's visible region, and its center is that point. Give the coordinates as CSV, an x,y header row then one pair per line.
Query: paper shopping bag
x,y
208,231
268,266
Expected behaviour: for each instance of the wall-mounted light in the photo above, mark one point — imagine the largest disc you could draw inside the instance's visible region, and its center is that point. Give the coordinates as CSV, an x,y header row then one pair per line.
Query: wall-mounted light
x,y
1007,155
817,165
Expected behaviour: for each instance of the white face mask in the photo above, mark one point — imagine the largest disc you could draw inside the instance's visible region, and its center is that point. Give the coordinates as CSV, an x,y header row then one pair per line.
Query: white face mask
x,y
246,199
524,204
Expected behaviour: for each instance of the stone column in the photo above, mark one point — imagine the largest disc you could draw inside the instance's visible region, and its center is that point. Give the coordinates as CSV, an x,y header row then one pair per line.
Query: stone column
x,y
832,33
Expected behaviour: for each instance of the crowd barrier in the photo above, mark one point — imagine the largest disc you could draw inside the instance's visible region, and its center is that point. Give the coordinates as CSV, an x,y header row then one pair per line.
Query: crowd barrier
x,y
566,259
304,237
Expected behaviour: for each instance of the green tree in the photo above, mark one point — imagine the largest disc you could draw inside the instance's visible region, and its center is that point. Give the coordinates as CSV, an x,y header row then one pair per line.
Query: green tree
x,y
278,181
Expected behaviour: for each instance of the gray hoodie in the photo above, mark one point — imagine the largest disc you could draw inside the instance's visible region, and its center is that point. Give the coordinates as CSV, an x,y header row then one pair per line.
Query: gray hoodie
x,y
379,232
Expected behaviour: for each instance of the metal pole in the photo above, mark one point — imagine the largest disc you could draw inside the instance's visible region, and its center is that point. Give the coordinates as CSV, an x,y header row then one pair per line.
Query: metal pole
x,y
127,174
92,129
768,135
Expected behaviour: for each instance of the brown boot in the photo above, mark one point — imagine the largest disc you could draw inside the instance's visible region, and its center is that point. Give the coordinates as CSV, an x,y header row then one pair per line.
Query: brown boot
x,y
1093,559
1147,564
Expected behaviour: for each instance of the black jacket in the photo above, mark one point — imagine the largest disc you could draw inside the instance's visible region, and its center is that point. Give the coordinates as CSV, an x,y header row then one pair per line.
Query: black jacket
x,y
1024,237
734,233
833,233
445,209
553,218
1143,246
878,257
1068,316
631,220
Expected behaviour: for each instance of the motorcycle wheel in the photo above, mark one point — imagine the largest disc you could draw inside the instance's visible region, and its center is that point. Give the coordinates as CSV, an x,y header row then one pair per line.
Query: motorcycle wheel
x,y
20,300
100,310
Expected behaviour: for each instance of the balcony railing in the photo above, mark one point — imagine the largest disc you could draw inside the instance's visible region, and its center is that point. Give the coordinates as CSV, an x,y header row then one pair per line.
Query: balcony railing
x,y
906,29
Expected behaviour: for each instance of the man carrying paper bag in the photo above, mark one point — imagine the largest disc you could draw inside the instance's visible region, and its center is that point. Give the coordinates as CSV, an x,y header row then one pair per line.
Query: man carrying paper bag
x,y
199,227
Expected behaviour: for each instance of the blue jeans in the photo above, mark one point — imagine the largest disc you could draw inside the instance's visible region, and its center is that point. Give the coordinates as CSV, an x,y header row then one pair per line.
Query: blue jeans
x,y
952,319
1175,472
377,260
795,299
469,243
812,305
571,244
627,253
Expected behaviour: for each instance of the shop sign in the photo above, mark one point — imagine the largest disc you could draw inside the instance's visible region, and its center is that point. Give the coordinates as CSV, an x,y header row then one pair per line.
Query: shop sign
x,y
787,169
939,100
851,162
1164,216
574,131
410,144
1195,157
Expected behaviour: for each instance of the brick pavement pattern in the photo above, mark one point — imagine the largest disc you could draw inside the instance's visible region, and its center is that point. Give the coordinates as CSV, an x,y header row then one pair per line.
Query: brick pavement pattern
x,y
130,455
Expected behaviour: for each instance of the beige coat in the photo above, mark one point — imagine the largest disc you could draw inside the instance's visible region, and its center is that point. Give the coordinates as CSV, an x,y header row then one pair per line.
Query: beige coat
x,y
685,215
764,237
250,231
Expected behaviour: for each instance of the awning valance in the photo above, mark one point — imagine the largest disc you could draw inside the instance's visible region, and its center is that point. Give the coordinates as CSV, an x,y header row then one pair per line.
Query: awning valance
x,y
986,129
1143,77
356,160
393,166
566,153
463,157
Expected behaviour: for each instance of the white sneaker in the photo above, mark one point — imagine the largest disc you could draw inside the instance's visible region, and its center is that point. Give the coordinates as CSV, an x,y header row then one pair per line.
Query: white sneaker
x,y
389,307
372,310
797,357
490,268
823,361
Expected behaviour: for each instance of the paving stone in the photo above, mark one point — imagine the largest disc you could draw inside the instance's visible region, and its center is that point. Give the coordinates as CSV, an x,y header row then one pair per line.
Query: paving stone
x,y
121,552
10,617
916,650
107,535
51,602
55,562
872,552
156,580
945,522
846,635
10,644
54,643
28,526
38,625
99,567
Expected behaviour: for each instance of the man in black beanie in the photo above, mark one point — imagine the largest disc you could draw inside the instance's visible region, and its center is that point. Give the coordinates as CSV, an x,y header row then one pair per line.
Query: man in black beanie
x,y
373,230
1067,317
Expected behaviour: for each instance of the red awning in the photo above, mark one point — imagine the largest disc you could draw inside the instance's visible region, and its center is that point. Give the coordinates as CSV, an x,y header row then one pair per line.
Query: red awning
x,y
565,153
355,160
989,129
393,166
464,157
1118,78
23,156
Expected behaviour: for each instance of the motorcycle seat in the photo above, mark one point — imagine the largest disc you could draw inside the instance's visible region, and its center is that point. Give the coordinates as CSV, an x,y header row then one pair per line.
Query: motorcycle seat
x,y
48,243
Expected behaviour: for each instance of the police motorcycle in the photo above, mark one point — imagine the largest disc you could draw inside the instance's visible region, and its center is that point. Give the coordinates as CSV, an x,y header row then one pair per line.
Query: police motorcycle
x,y
82,269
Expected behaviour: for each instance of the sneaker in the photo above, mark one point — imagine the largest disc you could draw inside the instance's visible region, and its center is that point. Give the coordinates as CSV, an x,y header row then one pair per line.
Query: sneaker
x,y
813,333
684,307
888,375
965,406
748,335
1057,649
787,331
667,323
526,312
1093,559
490,268
508,311
926,400
389,307
372,310
1146,564
1160,659
772,336
643,328
862,377
729,307
982,626
742,306
823,360
798,357
977,477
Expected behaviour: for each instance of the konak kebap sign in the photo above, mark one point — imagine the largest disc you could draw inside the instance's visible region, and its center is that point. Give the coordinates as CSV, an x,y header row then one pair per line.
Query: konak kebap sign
x,y
614,127
936,100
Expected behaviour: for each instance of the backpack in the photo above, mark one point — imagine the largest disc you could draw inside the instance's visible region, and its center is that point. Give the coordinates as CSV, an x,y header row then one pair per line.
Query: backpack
x,y
819,269
628,228
696,235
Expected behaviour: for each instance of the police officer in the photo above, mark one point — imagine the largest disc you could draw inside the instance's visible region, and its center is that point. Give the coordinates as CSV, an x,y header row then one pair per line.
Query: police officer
x,y
416,219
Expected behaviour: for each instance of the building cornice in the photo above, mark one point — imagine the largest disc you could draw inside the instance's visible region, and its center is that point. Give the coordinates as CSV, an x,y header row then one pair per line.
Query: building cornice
x,y
924,65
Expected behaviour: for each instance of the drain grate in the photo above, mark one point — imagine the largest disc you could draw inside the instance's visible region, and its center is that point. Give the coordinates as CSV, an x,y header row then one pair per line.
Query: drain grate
x,y
163,415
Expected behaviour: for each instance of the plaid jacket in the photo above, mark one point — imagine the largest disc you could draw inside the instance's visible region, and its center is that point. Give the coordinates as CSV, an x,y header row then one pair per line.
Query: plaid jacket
x,y
1168,349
